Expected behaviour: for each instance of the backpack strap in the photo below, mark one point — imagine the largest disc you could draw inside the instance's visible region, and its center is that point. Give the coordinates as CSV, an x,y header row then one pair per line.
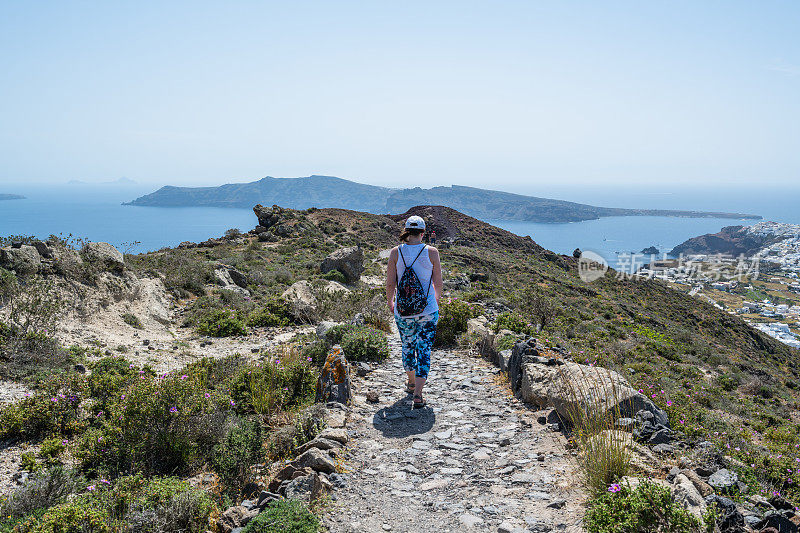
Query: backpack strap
x,y
400,251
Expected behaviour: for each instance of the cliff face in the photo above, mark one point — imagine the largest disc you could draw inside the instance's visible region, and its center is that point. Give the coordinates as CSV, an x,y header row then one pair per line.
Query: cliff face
x,y
731,240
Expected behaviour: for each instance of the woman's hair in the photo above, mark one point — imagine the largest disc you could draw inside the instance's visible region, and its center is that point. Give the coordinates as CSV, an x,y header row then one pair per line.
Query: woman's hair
x,y
407,232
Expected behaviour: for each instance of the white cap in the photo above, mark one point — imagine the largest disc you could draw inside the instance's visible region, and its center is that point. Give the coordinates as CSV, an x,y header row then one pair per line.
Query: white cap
x,y
415,222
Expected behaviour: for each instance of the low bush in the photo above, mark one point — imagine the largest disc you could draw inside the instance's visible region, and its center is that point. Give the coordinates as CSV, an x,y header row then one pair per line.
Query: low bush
x,y
506,342
284,516
133,503
334,275
156,424
453,317
132,320
273,312
184,272
286,380
52,410
306,425
231,458
648,507
43,489
365,344
221,323
335,334
513,322
317,351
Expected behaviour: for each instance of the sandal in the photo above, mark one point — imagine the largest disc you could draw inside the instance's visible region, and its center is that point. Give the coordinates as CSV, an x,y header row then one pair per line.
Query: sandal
x,y
419,402
410,388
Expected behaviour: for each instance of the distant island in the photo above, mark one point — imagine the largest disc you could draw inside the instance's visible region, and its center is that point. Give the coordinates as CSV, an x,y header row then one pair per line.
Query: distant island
x,y
120,181
329,191
11,197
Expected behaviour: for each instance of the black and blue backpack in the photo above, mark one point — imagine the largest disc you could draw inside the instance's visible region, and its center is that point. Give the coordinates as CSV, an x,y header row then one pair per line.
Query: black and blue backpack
x,y
411,297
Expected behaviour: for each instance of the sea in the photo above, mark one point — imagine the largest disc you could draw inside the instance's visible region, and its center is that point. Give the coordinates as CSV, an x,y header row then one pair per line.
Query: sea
x,y
95,212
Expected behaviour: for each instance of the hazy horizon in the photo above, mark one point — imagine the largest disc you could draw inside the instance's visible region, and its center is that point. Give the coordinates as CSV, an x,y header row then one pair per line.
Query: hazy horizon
x,y
514,96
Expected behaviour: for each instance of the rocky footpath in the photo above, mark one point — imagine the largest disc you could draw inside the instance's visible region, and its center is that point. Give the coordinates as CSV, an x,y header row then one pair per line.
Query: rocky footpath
x,y
475,459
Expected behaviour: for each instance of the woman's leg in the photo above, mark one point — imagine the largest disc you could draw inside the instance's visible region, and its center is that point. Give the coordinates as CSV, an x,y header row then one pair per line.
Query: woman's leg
x,y
407,329
426,329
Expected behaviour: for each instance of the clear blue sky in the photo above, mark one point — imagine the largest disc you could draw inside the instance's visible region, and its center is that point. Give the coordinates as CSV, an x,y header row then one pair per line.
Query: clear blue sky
x,y
496,94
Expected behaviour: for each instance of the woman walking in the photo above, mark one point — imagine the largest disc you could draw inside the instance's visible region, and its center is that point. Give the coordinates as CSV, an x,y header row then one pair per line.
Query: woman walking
x,y
413,289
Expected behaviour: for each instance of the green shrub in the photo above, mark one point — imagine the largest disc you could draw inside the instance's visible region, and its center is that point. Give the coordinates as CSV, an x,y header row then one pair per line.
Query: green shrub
x,y
157,424
506,342
221,323
649,507
284,516
285,380
232,457
42,490
453,317
79,515
513,322
133,503
335,334
317,351
159,504
273,311
334,275
307,425
365,344
51,411
132,320
51,449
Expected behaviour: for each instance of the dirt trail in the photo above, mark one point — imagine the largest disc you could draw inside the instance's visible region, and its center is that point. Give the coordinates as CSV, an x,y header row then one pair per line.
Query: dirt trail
x,y
475,459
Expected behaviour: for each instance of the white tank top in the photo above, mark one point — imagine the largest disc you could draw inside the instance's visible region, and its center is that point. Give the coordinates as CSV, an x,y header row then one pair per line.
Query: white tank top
x,y
423,268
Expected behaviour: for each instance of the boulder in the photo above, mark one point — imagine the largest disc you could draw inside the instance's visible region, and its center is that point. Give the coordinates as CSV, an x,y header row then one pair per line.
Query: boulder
x,y
503,357
44,250
238,278
268,216
315,459
339,435
307,489
478,327
301,296
223,278
702,487
318,443
349,261
333,287
729,519
333,384
778,522
573,389
22,260
723,480
105,254
478,331
235,517
687,495
324,327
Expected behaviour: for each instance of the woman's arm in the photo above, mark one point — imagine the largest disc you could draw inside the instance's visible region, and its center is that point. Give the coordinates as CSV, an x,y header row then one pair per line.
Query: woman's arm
x,y
391,279
438,284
